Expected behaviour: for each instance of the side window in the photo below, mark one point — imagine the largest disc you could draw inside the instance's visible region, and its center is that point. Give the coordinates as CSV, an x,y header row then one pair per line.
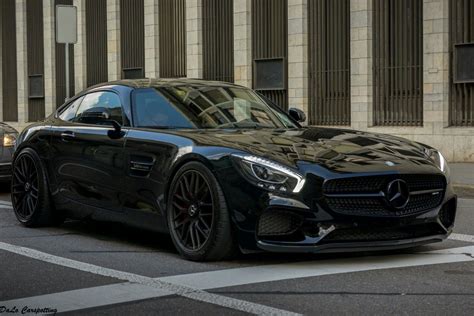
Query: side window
x,y
107,102
152,109
69,113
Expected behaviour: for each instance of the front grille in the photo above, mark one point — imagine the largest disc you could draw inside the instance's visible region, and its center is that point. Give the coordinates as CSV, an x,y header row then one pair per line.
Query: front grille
x,y
378,207
374,184
383,234
354,185
278,223
342,195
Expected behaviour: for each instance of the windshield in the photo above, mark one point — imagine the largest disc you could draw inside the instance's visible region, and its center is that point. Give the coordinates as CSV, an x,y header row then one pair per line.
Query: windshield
x,y
205,107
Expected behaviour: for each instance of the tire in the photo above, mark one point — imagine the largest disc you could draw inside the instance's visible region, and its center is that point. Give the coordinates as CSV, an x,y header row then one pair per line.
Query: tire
x,y
30,193
196,234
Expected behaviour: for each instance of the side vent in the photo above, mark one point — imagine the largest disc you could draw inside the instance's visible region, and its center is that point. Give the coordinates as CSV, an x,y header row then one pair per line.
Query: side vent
x,y
141,166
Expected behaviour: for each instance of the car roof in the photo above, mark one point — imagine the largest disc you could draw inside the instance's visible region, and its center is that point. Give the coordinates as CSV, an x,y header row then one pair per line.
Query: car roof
x,y
156,83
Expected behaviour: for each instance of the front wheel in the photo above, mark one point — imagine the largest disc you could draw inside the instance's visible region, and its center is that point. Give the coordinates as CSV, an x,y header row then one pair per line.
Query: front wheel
x,y
198,218
30,192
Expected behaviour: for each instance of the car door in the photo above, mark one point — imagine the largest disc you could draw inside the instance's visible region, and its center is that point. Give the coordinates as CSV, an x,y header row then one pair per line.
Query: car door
x,y
88,164
150,152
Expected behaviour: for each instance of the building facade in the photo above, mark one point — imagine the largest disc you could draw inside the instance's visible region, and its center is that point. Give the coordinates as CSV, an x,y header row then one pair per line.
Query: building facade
x,y
386,66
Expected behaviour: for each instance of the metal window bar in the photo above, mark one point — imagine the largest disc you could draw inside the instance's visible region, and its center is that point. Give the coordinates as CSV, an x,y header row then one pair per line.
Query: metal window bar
x,y
35,54
398,62
461,95
172,33
9,60
96,41
218,40
329,62
270,38
132,35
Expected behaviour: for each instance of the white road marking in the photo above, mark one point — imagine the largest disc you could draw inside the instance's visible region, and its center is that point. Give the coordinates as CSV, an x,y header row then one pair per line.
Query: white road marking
x,y
145,288
162,286
278,272
461,237
5,203
90,297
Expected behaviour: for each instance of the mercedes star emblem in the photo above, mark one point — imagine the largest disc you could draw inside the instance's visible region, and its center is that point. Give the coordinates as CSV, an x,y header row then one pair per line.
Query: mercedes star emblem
x,y
398,194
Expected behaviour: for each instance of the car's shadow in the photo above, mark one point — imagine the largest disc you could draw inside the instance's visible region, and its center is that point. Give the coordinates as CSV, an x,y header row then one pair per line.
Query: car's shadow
x,y
5,191
5,188
148,241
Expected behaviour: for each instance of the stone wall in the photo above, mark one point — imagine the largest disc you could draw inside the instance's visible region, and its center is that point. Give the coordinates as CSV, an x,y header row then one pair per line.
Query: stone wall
x,y
457,143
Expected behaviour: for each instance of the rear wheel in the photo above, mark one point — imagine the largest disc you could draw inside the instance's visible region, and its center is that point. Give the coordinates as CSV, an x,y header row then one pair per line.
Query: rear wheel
x,y
30,192
198,219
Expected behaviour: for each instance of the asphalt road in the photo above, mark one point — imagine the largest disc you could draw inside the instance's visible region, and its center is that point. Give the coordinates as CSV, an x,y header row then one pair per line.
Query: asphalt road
x,y
108,269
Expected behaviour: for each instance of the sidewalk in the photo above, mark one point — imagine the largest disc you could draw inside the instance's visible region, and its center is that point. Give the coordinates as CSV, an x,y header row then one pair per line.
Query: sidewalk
x,y
462,177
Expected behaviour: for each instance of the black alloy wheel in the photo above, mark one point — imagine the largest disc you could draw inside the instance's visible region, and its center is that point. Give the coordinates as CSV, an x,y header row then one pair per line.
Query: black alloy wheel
x,y
25,186
192,210
30,193
198,219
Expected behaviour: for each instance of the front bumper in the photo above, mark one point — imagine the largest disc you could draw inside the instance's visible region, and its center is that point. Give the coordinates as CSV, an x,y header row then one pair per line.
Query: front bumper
x,y
353,234
314,227
353,246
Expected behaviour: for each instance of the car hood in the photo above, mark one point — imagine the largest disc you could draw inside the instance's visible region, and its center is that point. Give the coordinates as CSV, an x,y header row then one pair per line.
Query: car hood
x,y
338,150
5,128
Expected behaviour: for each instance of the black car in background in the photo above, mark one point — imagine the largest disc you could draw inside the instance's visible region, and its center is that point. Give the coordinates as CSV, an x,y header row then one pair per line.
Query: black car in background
x,y
8,137
221,168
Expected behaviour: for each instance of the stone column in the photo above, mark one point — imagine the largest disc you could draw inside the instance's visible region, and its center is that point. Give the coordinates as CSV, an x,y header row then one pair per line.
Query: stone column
x,y
49,56
194,38
298,54
113,40
22,67
80,59
243,42
361,63
436,63
152,40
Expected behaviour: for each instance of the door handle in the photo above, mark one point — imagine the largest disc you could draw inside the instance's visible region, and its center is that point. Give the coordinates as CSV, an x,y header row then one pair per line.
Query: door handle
x,y
67,136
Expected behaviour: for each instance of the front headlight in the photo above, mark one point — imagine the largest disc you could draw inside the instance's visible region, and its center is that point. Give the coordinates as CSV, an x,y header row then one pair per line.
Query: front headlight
x,y
9,140
268,174
439,160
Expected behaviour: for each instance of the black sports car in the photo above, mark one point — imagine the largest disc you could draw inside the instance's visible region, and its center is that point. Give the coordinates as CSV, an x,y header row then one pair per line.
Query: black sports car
x,y
220,167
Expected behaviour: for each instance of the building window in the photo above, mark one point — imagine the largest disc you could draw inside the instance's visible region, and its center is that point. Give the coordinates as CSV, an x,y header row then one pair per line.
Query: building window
x,y
461,92
35,59
8,60
329,62
132,35
398,62
96,41
270,41
172,32
218,40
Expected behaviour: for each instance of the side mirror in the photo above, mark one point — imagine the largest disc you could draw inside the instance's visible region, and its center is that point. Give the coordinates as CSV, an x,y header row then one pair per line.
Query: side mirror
x,y
297,115
101,116
94,116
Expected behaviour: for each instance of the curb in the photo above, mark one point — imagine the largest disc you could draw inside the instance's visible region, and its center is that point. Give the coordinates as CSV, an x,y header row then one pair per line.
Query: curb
x,y
464,190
